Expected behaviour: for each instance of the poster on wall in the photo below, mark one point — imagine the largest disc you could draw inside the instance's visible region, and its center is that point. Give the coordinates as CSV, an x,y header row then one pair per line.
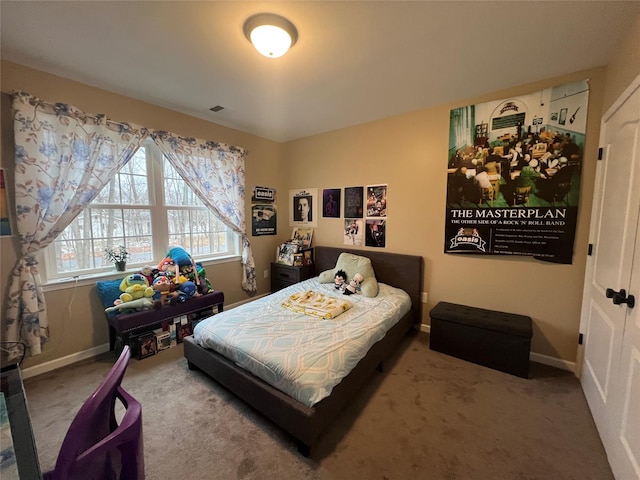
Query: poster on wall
x,y
264,219
376,233
377,201
514,173
303,207
331,202
5,223
353,202
353,231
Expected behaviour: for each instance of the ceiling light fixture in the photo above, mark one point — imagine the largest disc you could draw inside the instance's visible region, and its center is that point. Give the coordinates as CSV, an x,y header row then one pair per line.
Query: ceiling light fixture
x,y
271,34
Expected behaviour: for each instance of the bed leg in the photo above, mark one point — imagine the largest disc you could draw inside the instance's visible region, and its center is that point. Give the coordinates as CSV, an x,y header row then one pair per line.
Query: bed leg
x,y
304,449
192,366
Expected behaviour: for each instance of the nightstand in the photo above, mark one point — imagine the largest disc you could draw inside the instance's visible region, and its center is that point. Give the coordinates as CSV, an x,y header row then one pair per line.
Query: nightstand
x,y
284,275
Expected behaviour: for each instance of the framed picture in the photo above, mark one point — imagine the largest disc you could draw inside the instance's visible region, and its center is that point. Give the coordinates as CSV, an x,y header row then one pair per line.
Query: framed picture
x,y
303,207
331,202
563,116
307,256
147,345
302,237
286,253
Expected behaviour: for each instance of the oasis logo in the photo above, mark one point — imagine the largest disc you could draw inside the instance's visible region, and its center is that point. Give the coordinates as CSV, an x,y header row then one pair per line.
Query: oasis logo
x,y
264,194
509,106
468,237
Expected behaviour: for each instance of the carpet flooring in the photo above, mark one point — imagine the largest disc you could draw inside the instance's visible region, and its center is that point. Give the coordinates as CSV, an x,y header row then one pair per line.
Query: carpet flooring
x,y
426,416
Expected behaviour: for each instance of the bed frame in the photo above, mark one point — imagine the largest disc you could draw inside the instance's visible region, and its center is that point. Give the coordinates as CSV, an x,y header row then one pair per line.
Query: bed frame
x,y
304,423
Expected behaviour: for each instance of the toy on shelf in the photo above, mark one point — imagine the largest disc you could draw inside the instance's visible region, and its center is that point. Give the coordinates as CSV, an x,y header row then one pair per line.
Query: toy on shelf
x,y
144,303
134,287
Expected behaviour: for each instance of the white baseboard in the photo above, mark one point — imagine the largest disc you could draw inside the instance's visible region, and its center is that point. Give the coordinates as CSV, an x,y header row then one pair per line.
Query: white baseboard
x,y
553,362
64,361
534,357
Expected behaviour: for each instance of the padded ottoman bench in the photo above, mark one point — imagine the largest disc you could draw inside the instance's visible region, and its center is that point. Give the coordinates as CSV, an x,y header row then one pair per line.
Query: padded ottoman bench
x,y
497,340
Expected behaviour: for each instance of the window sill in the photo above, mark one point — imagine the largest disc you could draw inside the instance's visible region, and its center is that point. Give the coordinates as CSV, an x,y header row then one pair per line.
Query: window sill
x,y
91,279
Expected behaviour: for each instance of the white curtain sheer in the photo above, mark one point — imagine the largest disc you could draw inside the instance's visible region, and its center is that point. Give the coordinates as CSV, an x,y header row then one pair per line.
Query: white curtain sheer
x,y
63,159
216,173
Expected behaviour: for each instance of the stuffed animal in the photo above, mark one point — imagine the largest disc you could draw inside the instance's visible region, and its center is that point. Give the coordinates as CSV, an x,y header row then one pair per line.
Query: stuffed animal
x,y
354,285
340,279
147,272
143,303
162,284
133,287
181,259
167,267
184,292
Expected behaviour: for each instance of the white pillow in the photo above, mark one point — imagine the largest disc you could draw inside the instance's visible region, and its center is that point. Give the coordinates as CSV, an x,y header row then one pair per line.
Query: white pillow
x,y
353,264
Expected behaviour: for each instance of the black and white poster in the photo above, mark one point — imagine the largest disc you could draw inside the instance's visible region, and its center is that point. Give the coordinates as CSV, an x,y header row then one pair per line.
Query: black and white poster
x,y
514,173
264,218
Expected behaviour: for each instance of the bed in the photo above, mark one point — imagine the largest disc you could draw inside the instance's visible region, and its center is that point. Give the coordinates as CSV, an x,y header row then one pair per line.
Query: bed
x,y
303,421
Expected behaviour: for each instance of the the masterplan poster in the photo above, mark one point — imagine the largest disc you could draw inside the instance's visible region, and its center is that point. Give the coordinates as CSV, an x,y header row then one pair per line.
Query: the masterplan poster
x,y
514,172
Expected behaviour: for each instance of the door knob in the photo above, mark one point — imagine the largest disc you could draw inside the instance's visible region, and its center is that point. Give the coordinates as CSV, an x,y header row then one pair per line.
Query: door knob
x,y
610,292
621,297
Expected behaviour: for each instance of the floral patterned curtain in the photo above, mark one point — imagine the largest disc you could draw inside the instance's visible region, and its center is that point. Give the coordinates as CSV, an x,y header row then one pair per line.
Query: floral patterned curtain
x,y
216,173
63,158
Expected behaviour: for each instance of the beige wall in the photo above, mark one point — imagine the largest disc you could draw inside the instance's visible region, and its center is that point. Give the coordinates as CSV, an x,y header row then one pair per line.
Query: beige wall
x,y
76,318
406,152
624,67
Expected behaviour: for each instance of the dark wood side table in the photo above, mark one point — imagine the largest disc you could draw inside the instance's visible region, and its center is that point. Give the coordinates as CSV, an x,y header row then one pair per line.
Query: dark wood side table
x,y
284,275
22,455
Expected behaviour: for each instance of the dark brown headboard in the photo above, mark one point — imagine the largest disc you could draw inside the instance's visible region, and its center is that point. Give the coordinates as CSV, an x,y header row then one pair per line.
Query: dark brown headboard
x,y
395,269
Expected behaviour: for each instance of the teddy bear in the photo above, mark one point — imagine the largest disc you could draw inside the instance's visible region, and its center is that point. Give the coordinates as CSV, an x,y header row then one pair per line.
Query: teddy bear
x,y
134,287
354,285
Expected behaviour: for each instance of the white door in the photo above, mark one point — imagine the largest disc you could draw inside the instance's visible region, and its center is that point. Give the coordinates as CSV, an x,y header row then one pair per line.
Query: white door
x,y
611,366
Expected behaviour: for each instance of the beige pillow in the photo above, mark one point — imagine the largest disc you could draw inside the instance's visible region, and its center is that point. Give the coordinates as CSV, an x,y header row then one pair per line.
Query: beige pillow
x,y
353,264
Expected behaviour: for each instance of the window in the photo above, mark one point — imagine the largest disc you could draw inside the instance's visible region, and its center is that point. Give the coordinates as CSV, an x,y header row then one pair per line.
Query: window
x,y
146,207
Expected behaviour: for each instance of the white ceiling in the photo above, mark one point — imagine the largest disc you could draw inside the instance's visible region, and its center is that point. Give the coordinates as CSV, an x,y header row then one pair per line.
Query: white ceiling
x,y
354,62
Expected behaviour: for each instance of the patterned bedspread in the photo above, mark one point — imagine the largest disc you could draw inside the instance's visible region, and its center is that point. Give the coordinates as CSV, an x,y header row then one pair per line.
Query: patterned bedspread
x,y
303,356
316,304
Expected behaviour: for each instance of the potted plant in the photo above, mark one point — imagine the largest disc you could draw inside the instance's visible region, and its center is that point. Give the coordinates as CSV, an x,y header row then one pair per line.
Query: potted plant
x,y
118,255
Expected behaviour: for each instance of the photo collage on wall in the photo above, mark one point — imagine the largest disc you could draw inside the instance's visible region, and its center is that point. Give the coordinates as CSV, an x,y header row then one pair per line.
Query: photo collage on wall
x,y
514,174
264,218
365,213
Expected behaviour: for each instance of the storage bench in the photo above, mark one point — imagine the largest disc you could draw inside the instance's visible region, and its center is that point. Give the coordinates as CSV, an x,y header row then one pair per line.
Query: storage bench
x,y
124,326
497,340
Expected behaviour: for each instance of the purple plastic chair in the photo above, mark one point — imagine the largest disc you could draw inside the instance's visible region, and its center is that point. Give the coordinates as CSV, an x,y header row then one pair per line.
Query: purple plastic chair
x,y
95,446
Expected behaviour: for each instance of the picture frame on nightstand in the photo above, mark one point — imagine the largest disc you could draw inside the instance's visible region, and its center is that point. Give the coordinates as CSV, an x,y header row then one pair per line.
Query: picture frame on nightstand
x,y
286,253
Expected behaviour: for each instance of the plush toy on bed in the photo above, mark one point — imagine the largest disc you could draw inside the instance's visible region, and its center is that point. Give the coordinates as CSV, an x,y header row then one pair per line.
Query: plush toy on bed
x,y
354,285
340,279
